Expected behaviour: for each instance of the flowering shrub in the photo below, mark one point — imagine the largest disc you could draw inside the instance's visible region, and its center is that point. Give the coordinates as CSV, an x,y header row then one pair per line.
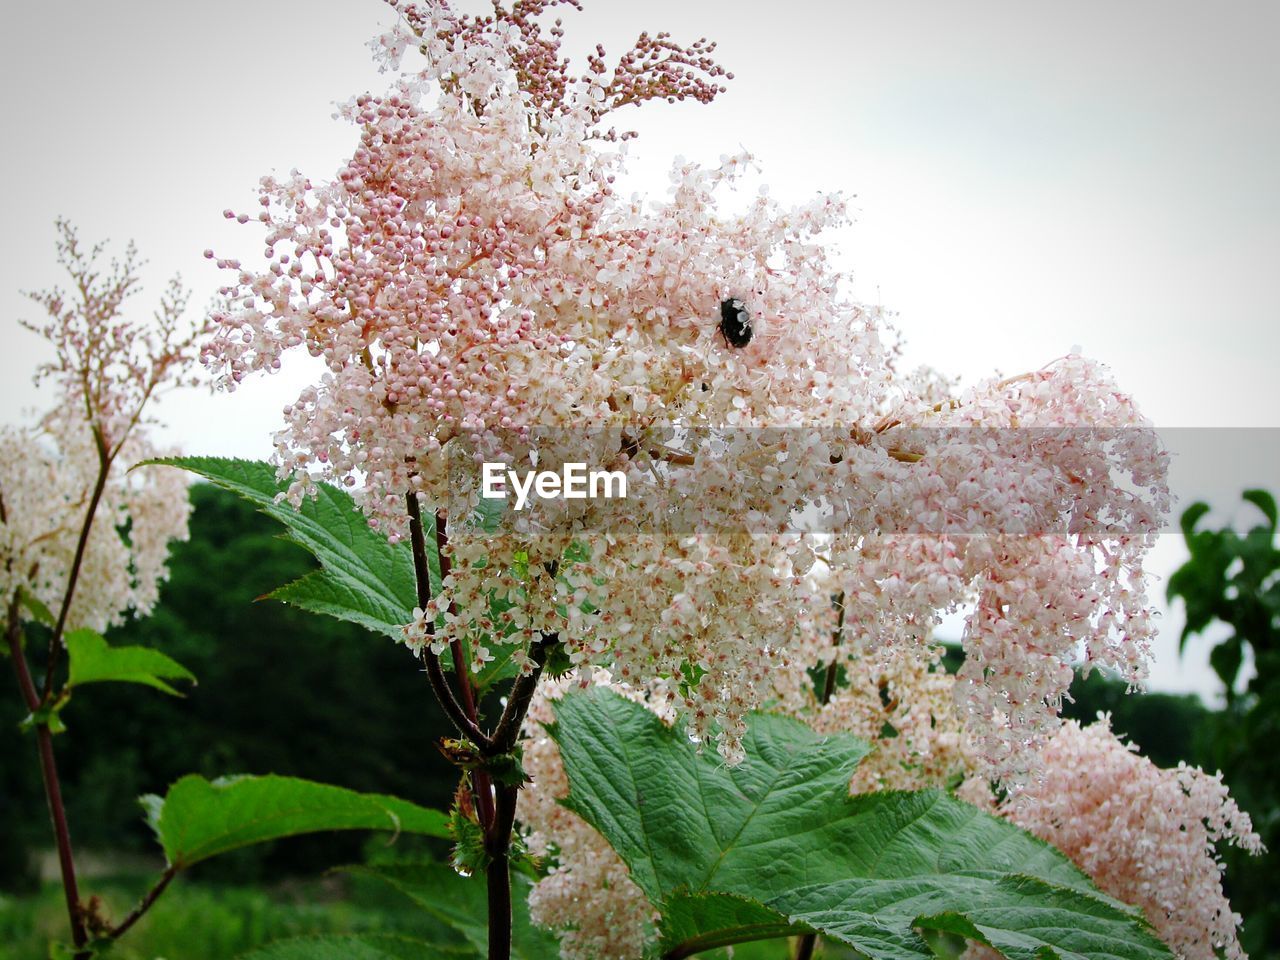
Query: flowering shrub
x,y
479,291
83,543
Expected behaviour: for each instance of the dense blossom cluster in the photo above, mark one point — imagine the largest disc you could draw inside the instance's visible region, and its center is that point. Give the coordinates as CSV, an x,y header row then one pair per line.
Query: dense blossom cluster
x,y
904,705
72,469
45,489
1145,835
479,290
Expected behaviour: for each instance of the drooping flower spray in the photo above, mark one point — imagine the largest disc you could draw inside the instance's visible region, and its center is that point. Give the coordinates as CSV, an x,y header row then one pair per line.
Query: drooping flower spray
x,y
478,290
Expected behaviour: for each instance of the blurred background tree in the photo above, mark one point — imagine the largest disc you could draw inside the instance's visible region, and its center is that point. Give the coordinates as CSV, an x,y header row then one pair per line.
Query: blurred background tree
x,y
1231,587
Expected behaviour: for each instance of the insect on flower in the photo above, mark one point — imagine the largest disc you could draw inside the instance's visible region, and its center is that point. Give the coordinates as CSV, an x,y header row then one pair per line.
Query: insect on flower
x,y
735,322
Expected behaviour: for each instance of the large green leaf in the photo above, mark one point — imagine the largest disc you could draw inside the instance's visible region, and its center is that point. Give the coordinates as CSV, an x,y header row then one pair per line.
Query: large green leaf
x,y
363,947
363,577
93,660
199,818
777,845
462,902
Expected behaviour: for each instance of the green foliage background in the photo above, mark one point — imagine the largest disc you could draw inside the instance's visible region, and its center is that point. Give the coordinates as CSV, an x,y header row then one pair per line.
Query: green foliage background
x,y
279,691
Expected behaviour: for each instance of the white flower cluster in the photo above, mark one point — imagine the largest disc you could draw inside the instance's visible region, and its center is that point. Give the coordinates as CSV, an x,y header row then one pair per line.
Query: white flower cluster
x,y
45,487
69,476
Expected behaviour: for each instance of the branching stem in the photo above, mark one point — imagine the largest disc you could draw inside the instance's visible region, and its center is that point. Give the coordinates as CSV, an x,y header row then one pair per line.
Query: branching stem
x,y
495,802
145,903
49,774
435,674
482,785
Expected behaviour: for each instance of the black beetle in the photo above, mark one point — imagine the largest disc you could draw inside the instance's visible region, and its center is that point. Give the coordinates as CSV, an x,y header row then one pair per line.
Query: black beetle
x,y
735,322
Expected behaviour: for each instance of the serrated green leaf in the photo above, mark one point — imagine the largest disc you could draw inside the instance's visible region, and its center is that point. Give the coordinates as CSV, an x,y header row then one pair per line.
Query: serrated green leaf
x,y
199,818
469,854
1024,918
322,593
93,660
462,902
781,830
362,947
363,577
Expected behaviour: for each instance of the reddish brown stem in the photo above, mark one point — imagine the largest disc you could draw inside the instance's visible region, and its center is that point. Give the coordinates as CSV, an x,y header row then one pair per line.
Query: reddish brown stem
x,y
49,774
481,783
498,873
145,903
435,674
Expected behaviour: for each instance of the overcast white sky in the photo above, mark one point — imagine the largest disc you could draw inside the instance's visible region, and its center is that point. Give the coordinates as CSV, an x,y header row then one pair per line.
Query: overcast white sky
x,y
1028,176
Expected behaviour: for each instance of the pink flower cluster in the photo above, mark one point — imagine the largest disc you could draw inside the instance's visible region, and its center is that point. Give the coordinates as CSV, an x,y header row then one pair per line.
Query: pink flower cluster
x,y
1146,836
478,289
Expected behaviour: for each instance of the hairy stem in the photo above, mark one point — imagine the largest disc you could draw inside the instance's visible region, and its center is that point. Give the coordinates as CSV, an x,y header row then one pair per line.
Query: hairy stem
x,y
508,730
49,774
498,836
495,802
498,873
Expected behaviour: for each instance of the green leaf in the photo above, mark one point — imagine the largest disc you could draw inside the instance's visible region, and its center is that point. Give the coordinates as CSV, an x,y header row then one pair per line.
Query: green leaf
x,y
93,660
46,716
1226,659
363,577
462,902
363,947
39,612
709,920
198,818
1191,516
1265,502
781,833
